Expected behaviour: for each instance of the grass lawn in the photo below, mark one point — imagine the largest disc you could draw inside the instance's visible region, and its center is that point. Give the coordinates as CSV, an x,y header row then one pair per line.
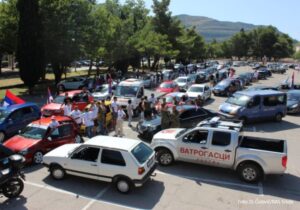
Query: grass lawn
x,y
15,84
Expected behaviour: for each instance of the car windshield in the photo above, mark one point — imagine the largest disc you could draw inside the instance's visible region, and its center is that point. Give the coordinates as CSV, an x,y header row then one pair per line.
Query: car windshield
x,y
181,80
59,99
293,97
129,91
102,89
196,89
3,115
223,83
238,99
166,85
33,132
142,152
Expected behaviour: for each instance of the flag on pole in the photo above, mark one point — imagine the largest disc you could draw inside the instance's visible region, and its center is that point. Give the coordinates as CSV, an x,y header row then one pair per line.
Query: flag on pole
x,y
50,97
11,99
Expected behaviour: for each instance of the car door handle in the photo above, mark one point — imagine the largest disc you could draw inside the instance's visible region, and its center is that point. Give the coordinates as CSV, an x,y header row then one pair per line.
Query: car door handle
x,y
227,150
93,164
203,147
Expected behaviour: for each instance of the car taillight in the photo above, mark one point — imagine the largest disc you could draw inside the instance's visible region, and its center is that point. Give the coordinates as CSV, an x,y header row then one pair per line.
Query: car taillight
x,y
284,161
141,170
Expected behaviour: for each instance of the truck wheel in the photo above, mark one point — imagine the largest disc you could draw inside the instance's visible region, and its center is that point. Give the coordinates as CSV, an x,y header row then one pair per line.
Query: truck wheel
x,y
123,185
278,117
249,172
164,157
57,172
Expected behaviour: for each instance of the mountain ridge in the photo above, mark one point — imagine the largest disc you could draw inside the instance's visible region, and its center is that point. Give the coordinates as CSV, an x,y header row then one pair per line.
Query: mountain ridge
x,y
212,29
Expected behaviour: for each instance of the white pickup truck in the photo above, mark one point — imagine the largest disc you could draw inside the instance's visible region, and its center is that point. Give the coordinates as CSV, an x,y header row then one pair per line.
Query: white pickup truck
x,y
219,143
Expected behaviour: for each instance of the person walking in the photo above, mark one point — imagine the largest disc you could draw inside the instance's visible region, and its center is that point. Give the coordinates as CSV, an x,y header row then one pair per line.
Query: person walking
x,y
129,112
87,120
147,108
141,110
119,125
165,118
174,118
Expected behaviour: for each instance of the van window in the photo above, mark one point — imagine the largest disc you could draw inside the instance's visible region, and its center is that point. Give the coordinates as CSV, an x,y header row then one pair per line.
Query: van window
x,y
275,100
221,138
256,101
112,157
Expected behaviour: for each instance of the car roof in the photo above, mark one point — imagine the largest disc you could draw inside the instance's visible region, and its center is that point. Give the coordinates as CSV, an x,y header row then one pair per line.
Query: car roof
x,y
183,77
14,107
260,92
294,91
47,120
174,94
132,82
198,85
71,93
113,142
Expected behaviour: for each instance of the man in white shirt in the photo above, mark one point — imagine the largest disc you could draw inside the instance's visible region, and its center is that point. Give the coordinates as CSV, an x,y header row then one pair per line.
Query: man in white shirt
x,y
68,108
87,120
54,124
76,115
119,125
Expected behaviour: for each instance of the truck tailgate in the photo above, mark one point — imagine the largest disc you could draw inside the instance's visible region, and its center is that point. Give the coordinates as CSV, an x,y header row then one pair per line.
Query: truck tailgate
x,y
271,154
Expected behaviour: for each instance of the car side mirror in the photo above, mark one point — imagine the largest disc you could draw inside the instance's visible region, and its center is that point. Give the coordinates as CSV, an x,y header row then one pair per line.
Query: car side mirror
x,y
185,139
49,138
19,131
10,121
250,104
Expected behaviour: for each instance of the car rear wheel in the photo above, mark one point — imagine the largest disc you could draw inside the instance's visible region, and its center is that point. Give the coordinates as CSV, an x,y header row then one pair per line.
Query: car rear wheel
x,y
164,157
123,185
57,172
2,137
249,172
38,157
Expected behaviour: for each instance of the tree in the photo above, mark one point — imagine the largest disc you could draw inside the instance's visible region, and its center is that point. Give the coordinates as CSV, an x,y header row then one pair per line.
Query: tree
x,y
8,28
30,51
65,30
240,44
297,55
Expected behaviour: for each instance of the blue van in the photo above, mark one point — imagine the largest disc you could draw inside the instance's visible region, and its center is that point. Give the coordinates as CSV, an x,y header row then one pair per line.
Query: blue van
x,y
16,117
255,105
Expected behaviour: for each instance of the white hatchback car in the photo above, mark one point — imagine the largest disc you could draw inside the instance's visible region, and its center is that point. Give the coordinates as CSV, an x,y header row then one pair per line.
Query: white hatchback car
x,y
195,90
125,162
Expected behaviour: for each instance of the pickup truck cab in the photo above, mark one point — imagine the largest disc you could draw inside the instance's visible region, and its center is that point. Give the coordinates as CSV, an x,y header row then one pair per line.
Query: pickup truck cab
x,y
220,144
125,162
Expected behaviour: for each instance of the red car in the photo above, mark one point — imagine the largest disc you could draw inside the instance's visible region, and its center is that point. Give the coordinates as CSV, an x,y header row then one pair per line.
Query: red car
x,y
168,87
37,138
56,108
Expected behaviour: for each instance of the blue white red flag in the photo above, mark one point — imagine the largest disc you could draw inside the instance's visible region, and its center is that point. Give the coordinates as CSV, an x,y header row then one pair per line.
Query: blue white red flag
x,y
11,99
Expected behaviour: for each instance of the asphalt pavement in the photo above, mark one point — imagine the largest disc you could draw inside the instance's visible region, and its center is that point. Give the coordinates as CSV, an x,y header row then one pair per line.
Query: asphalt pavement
x,y
180,186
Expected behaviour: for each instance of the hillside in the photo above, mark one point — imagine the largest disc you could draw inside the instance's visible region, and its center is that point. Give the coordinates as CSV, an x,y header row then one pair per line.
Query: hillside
x,y
214,29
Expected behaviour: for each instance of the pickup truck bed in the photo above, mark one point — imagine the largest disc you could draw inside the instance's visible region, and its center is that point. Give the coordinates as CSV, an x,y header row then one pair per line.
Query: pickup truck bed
x,y
262,144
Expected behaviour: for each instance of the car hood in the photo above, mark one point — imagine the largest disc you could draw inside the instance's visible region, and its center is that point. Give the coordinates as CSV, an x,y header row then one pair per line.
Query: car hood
x,y
62,151
291,103
18,143
228,108
153,122
168,134
181,84
52,106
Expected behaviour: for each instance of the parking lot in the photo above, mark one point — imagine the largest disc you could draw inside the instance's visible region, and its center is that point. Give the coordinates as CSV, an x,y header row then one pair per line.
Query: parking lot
x,y
180,186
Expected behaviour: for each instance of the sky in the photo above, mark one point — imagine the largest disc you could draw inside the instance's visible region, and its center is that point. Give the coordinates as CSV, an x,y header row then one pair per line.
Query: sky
x,y
285,15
